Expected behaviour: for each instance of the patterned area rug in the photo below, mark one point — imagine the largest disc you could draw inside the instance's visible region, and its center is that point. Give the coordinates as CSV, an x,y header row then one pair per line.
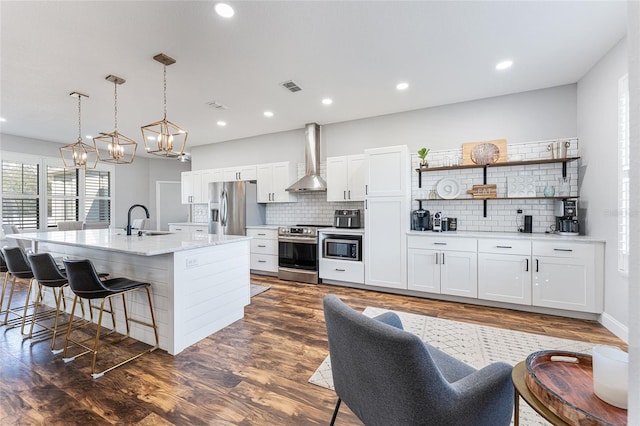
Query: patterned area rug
x,y
473,344
257,289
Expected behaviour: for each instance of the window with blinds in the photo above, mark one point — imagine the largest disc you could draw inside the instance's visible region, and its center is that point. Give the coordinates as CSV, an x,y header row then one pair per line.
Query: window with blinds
x,y
97,196
62,195
623,174
20,194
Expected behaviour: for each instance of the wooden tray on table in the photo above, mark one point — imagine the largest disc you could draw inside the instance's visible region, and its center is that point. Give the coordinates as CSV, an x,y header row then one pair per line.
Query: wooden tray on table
x,y
563,382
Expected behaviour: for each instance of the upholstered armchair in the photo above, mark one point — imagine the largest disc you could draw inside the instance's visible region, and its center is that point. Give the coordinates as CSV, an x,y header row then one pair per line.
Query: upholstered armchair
x,y
388,376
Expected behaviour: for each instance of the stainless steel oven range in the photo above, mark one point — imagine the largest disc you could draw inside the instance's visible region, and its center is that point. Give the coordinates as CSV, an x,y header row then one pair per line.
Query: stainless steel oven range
x,y
298,253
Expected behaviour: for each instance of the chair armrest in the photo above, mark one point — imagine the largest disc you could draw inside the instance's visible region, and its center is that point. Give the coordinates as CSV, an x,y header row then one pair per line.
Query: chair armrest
x,y
487,379
390,318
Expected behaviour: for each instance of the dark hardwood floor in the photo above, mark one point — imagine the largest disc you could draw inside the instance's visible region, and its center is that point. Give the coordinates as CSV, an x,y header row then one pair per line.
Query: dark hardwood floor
x,y
253,372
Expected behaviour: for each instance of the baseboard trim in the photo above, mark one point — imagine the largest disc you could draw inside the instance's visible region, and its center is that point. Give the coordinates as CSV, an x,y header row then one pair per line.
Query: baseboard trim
x,y
615,326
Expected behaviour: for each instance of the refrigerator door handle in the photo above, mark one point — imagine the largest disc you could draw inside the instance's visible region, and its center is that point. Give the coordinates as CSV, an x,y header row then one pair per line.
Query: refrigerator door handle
x,y
223,208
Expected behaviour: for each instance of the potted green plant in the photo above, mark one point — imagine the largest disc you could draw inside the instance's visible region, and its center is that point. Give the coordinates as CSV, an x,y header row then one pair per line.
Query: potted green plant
x,y
422,153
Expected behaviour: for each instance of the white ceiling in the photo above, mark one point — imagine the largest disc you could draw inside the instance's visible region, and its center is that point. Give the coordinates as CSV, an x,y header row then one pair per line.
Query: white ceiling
x,y
352,51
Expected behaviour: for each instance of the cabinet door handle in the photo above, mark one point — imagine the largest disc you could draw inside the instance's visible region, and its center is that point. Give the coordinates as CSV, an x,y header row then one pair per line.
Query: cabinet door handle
x,y
261,246
557,249
349,194
366,190
537,266
344,195
526,269
505,247
443,258
439,244
340,270
437,259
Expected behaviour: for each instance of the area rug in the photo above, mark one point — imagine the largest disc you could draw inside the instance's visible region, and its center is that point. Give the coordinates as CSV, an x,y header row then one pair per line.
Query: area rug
x,y
257,289
475,345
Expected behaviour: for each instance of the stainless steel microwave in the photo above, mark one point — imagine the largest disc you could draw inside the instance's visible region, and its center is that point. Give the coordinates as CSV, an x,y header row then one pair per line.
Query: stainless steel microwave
x,y
344,247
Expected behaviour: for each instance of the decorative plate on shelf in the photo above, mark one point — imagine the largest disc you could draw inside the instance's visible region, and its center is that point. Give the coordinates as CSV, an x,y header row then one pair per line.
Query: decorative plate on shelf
x,y
448,188
485,153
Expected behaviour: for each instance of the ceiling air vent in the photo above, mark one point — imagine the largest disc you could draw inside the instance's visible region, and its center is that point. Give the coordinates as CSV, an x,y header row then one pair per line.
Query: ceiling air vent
x,y
216,105
291,86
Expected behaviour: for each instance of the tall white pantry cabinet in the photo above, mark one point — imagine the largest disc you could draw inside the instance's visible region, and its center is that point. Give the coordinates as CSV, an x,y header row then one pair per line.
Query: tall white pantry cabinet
x,y
387,210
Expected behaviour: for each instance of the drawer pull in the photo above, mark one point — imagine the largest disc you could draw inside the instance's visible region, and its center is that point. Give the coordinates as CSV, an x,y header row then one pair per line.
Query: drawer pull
x,y
199,230
262,261
557,249
439,244
340,270
504,247
263,235
261,246
178,229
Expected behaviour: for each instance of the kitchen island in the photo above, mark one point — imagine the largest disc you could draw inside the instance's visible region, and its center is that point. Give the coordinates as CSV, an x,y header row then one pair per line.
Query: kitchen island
x,y
199,282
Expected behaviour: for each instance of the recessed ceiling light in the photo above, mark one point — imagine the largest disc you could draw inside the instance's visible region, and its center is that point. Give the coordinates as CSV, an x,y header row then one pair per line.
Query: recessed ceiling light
x,y
268,114
327,101
504,65
2,119
224,10
88,136
402,86
221,123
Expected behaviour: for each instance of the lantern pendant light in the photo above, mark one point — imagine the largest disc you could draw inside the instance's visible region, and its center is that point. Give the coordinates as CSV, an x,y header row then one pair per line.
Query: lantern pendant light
x,y
115,147
164,138
79,155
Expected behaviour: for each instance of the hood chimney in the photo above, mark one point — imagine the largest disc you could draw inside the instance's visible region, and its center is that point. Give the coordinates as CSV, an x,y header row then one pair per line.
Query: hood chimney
x,y
311,181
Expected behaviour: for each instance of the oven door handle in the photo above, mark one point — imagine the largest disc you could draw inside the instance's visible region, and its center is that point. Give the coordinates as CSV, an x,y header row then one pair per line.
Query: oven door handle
x,y
297,240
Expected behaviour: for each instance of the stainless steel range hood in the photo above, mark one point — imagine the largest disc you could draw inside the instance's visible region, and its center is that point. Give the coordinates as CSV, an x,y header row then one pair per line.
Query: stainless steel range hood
x,y
311,181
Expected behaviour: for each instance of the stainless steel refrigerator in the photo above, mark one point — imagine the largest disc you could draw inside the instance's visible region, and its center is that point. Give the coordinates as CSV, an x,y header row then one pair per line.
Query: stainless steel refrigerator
x,y
233,206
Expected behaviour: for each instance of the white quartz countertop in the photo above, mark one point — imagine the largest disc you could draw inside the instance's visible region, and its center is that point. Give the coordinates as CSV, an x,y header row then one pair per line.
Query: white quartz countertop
x,y
189,223
346,231
118,241
263,227
507,235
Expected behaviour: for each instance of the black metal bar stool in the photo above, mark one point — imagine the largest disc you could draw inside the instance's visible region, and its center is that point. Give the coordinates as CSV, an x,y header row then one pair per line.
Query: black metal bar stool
x,y
48,275
86,284
18,267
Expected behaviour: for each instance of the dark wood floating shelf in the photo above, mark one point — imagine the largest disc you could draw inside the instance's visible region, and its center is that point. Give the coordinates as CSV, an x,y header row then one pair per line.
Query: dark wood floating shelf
x,y
561,197
503,164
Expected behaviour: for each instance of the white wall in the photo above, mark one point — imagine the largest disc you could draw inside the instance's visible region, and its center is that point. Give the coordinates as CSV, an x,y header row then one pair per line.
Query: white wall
x,y
133,183
523,117
598,134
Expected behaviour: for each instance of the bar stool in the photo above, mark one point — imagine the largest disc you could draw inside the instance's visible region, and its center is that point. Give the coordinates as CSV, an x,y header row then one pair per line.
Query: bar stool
x,y
86,284
3,268
18,267
48,275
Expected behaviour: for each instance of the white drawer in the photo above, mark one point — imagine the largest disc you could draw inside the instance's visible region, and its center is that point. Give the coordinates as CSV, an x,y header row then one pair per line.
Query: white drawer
x,y
189,228
268,234
569,249
264,262
504,246
264,246
442,243
199,229
341,270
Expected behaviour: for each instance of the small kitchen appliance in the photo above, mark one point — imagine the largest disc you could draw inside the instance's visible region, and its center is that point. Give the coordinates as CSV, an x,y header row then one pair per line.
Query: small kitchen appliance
x,y
420,219
566,212
343,247
528,224
346,218
437,222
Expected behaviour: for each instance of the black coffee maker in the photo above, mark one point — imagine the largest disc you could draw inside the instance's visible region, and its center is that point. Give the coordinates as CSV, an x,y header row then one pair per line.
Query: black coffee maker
x,y
420,219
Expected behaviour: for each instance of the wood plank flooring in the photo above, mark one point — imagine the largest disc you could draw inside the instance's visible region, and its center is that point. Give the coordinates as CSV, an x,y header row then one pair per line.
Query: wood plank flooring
x,y
253,372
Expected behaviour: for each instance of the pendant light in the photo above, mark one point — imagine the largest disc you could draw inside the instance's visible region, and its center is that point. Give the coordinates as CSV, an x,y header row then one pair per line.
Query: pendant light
x,y
115,147
79,155
160,138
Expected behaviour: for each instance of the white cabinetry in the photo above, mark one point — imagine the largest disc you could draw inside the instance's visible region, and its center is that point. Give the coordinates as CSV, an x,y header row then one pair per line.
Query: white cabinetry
x,y
568,275
443,265
504,270
273,180
345,178
187,187
264,249
188,227
195,186
239,173
387,211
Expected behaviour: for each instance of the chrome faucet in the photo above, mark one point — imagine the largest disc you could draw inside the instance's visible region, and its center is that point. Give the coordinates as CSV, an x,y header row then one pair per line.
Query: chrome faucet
x,y
146,210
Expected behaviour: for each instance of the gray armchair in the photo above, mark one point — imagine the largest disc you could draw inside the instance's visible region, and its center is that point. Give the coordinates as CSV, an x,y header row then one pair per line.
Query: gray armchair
x,y
388,376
